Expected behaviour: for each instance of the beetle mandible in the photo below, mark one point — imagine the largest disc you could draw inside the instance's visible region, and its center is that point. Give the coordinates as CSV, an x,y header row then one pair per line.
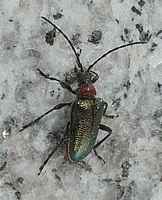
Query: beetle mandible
x,y
86,110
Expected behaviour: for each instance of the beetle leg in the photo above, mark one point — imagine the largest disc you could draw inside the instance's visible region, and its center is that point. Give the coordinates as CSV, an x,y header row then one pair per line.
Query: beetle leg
x,y
107,129
108,116
51,154
104,111
63,84
59,106
95,78
84,166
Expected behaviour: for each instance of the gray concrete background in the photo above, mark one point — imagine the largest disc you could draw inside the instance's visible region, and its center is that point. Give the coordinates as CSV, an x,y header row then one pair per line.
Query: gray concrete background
x,y
133,153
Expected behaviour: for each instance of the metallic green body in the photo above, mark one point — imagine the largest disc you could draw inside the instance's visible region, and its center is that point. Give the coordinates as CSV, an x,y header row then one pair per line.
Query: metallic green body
x,y
86,116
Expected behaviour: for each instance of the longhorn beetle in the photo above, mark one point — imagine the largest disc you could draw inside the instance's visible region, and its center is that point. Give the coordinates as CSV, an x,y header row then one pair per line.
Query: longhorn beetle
x,y
86,110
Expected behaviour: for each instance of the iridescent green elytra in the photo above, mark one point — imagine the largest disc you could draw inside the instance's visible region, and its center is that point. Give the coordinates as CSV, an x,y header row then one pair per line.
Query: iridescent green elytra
x,y
85,120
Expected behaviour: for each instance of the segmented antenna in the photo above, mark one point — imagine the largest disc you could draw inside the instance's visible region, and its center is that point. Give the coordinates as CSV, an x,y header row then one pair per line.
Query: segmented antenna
x,y
76,54
110,51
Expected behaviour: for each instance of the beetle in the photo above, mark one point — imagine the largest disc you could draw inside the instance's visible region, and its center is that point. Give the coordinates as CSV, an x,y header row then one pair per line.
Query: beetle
x,y
86,110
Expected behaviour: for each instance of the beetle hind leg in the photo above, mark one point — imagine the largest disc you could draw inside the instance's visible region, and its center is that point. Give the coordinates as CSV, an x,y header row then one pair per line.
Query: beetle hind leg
x,y
84,165
107,129
99,157
51,154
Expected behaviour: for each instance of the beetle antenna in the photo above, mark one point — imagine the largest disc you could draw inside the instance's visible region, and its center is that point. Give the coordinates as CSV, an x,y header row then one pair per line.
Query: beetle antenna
x,y
76,54
110,51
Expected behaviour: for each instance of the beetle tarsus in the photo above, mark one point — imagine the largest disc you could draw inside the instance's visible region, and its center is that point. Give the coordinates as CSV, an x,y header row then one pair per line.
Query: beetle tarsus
x,y
111,116
99,157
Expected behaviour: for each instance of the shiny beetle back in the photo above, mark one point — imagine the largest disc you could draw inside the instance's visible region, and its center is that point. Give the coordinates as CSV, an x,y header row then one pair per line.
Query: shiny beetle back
x,y
85,120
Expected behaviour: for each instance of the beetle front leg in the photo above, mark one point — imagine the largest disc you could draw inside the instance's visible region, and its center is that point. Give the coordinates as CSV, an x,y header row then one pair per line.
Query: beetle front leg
x,y
63,84
59,106
107,129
